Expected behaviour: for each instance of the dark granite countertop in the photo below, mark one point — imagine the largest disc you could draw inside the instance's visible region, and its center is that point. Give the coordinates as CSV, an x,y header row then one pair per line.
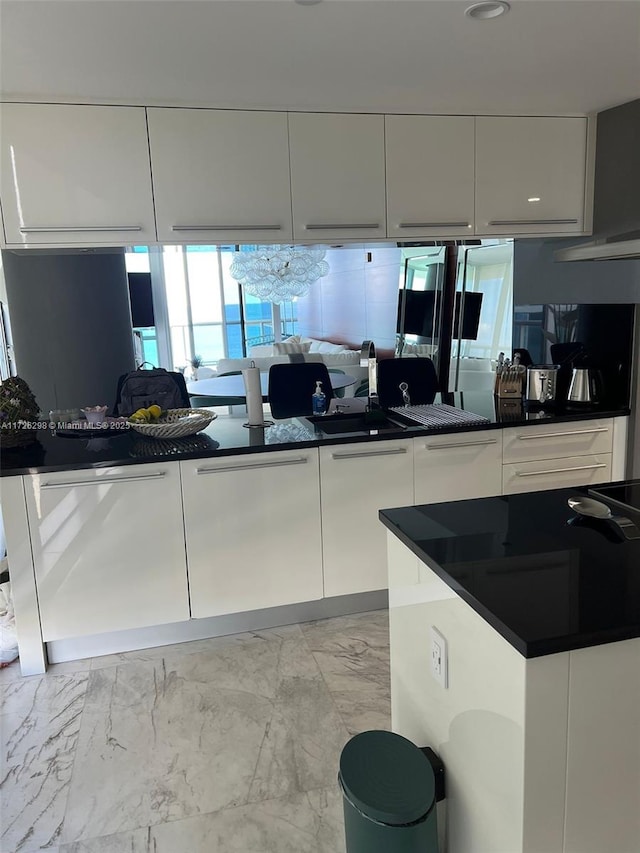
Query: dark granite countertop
x,y
226,436
546,579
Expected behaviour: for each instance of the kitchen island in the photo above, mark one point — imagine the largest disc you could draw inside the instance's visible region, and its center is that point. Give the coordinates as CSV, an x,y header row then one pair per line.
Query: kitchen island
x,y
537,720
120,542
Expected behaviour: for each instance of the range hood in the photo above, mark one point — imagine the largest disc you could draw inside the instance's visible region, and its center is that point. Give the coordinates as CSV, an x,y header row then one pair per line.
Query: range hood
x,y
616,204
620,247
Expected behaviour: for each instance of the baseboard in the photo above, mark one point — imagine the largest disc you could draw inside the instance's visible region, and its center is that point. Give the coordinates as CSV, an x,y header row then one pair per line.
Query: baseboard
x,y
215,626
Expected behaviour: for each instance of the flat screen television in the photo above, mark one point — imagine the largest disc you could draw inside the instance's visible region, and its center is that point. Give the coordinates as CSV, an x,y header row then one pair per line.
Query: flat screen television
x,y
141,298
471,316
418,314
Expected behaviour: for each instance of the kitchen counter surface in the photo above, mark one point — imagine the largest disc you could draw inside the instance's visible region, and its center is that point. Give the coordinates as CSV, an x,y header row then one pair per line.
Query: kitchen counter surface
x,y
226,436
544,578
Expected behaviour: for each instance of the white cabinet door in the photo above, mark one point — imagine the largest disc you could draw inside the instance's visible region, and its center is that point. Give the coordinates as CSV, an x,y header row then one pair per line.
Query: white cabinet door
x,y
458,466
430,176
75,175
220,175
530,175
108,549
358,480
253,531
337,176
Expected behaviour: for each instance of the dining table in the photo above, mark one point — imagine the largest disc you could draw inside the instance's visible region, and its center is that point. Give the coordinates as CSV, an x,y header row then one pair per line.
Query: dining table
x,y
233,385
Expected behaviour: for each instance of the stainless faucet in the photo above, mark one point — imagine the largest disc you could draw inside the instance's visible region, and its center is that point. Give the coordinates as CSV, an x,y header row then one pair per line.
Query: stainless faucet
x,y
368,360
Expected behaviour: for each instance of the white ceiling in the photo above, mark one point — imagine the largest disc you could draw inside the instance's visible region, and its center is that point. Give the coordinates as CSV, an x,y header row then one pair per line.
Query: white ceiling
x,y
544,57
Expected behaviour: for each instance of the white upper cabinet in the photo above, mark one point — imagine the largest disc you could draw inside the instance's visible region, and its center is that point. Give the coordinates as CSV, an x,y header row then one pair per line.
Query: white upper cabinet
x,y
337,176
81,175
220,175
75,175
530,175
430,176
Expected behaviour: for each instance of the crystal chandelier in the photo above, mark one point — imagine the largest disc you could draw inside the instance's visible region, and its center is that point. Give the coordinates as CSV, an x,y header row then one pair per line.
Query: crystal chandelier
x,y
279,273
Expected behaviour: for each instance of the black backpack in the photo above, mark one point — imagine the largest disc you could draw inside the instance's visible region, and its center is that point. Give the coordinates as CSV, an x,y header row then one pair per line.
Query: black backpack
x,y
140,389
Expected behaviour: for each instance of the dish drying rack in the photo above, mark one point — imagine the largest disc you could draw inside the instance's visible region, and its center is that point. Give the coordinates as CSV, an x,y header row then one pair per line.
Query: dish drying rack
x,y
438,415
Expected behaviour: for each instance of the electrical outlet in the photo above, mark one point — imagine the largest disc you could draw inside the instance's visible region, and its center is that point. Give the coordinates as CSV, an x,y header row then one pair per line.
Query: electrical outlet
x,y
439,658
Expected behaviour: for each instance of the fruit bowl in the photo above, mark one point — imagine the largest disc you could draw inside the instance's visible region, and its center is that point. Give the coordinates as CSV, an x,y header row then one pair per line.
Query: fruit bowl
x,y
176,423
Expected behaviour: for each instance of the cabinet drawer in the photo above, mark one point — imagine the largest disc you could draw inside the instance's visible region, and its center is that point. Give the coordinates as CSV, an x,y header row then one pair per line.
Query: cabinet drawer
x,y
558,441
555,474
455,467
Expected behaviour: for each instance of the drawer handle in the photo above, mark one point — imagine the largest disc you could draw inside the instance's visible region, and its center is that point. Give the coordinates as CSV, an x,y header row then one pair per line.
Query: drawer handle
x,y
63,229
226,227
100,480
533,222
560,470
329,226
562,434
433,225
299,460
361,454
461,444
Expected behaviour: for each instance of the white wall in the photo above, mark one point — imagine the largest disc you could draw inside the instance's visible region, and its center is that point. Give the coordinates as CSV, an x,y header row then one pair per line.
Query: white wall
x,y
357,300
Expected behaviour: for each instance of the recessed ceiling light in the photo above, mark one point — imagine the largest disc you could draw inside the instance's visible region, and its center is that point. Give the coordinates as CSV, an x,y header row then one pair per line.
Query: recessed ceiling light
x,y
534,198
486,11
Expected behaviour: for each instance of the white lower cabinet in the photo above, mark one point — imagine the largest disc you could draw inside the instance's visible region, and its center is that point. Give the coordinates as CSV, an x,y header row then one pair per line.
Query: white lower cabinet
x,y
252,527
457,466
108,549
557,456
357,480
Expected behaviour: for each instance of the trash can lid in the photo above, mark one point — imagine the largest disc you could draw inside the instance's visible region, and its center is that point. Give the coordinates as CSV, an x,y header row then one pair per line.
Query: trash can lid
x,y
387,777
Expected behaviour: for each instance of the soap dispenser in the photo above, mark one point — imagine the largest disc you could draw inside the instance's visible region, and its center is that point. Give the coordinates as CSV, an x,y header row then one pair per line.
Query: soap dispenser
x,y
319,400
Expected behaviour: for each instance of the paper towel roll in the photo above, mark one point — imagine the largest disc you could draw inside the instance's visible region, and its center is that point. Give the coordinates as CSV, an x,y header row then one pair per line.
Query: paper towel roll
x,y
251,377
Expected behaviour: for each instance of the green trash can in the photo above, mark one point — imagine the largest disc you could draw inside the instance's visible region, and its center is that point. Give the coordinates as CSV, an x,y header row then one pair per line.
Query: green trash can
x,y
389,795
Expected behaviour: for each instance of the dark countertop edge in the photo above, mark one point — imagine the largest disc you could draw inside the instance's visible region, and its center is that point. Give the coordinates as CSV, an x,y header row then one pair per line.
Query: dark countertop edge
x,y
532,649
319,441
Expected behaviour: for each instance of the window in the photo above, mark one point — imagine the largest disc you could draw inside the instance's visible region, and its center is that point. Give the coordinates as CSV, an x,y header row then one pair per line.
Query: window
x,y
208,314
144,336
486,274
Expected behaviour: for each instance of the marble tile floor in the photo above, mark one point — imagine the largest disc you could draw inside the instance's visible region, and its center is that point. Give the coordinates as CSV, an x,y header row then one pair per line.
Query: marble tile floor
x,y
228,745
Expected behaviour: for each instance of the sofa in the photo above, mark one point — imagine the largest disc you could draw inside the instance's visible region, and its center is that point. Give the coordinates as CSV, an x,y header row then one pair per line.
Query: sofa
x,y
334,356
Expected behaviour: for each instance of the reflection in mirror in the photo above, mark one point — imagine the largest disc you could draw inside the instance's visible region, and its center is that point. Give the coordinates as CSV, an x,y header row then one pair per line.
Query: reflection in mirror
x,y
420,302
483,312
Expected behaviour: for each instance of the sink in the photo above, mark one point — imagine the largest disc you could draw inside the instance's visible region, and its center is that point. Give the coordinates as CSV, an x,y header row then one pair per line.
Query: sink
x,y
361,422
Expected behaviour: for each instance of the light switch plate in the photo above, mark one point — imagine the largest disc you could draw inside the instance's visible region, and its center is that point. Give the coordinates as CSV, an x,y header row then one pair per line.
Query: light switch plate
x,y
439,657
